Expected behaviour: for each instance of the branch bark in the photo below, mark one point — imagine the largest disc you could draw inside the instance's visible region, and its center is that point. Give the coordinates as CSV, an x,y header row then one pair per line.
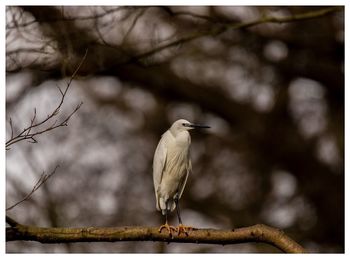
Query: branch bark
x,y
257,233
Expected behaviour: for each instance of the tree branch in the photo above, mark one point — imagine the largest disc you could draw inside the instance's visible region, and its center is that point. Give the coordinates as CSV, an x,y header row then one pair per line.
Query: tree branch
x,y
69,19
235,26
257,233
287,19
26,133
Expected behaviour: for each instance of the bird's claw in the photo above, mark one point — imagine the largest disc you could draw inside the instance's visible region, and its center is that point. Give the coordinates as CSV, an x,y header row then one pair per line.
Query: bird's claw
x,y
183,229
169,228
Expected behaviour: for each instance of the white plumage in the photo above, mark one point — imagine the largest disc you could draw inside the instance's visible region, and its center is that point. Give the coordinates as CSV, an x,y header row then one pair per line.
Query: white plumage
x,y
172,165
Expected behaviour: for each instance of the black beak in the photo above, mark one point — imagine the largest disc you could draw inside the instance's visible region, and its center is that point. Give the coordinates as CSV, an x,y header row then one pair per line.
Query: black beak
x,y
198,126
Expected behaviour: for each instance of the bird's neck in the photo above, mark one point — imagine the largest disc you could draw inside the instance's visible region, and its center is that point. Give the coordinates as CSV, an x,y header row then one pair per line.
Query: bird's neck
x,y
183,138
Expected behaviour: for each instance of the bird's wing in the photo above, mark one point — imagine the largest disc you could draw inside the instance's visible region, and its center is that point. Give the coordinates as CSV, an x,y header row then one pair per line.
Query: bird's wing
x,y
183,183
159,161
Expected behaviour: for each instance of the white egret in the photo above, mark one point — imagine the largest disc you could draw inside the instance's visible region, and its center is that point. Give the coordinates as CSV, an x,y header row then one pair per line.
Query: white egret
x,y
171,166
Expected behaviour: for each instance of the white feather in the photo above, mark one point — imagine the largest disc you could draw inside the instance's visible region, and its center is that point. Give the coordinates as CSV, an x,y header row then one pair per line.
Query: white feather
x,y
171,166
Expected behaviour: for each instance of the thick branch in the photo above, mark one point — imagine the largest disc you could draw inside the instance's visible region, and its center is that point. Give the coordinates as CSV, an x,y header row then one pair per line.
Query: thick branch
x,y
257,233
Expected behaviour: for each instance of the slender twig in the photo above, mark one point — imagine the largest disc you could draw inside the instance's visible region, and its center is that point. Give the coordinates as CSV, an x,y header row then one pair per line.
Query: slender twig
x,y
27,134
40,50
77,69
43,178
286,19
257,233
11,125
31,123
193,15
137,17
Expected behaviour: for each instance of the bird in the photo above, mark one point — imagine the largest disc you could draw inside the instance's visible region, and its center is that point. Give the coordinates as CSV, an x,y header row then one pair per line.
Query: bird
x,y
171,167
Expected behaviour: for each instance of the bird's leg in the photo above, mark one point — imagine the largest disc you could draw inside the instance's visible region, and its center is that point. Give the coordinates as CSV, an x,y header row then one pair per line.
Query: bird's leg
x,y
181,228
167,226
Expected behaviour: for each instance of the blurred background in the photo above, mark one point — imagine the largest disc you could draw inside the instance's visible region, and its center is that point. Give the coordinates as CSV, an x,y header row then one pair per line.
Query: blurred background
x,y
273,94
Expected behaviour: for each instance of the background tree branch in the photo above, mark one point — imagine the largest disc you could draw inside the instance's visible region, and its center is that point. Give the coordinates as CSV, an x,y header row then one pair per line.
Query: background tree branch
x,y
28,134
233,26
257,233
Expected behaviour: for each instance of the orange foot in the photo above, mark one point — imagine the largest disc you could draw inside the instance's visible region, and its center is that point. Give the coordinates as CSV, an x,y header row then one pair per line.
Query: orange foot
x,y
183,229
167,227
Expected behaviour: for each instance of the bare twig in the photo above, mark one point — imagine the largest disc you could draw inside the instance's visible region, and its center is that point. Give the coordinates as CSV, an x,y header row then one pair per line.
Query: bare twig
x,y
43,178
27,134
256,233
183,13
17,51
11,125
137,17
286,19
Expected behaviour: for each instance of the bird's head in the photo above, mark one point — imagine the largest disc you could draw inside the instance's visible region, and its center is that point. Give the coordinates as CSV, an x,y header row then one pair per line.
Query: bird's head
x,y
181,125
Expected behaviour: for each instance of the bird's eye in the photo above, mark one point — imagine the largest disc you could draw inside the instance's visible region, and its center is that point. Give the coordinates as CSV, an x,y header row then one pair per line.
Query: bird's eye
x,y
183,124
